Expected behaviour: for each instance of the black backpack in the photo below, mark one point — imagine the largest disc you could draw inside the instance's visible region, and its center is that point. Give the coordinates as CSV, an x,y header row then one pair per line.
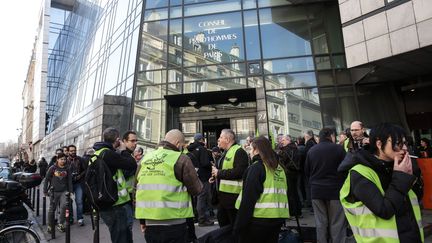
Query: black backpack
x,y
100,187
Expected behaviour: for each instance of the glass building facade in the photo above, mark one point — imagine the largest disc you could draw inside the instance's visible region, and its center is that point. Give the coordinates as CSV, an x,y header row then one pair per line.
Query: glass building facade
x,y
294,52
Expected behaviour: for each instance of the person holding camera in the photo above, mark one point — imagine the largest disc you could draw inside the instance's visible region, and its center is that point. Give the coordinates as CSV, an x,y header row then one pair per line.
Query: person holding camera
x,y
78,168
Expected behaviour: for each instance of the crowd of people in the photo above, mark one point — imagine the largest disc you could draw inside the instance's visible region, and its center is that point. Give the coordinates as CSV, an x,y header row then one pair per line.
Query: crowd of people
x,y
361,184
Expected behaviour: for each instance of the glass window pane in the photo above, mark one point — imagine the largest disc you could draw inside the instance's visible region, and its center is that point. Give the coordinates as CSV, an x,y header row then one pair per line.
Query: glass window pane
x,y
156,3
270,3
339,61
247,4
198,1
214,85
325,78
175,12
175,76
289,25
323,63
255,82
214,72
293,111
347,106
318,29
289,65
292,80
151,77
217,38
343,77
254,68
150,92
153,53
253,50
329,109
175,54
175,2
212,7
149,122
156,14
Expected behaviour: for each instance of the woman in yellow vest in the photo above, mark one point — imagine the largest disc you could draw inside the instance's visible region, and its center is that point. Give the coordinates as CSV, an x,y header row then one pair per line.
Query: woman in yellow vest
x,y
263,201
377,197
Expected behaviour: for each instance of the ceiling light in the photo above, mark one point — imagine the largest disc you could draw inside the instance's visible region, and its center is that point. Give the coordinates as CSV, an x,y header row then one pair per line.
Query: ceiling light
x,y
412,90
192,102
232,99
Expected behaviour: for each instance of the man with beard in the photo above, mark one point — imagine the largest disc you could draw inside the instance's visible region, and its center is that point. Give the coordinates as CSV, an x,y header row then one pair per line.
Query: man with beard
x,y
358,137
78,168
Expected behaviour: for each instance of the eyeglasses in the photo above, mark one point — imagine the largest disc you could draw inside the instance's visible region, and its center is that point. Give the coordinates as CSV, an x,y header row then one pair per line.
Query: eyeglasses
x,y
355,130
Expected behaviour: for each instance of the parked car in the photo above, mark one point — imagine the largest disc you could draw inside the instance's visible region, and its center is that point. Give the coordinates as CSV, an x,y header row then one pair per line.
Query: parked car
x,y
4,162
5,172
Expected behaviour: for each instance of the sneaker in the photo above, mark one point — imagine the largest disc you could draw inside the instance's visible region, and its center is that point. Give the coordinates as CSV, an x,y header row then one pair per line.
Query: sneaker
x,y
61,228
206,223
49,230
81,222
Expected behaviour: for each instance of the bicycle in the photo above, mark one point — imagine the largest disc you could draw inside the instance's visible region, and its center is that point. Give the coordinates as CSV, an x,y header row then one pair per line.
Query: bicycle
x,y
18,231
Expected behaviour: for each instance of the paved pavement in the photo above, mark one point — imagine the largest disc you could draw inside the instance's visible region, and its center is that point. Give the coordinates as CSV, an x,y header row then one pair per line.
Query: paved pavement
x,y
85,233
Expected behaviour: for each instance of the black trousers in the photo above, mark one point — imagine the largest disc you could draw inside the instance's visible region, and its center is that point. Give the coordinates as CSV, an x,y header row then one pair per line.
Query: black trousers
x,y
226,216
166,234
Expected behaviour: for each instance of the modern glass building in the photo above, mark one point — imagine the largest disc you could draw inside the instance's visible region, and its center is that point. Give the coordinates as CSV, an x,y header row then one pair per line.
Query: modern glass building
x,y
256,66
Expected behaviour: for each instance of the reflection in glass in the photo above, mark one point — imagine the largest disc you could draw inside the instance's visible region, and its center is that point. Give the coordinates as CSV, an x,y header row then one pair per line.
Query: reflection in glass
x,y
323,62
339,61
212,7
318,29
270,3
153,51
149,122
214,71
175,12
255,82
253,50
175,54
293,111
347,105
156,14
149,92
151,77
285,27
156,3
215,85
216,38
325,78
331,118
343,77
289,65
247,4
243,127
292,80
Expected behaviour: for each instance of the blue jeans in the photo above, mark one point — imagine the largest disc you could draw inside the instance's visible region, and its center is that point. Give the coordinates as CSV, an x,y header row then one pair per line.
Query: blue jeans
x,y
78,191
130,215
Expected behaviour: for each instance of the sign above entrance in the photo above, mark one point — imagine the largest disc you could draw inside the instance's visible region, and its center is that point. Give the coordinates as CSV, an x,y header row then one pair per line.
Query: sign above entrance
x,y
215,97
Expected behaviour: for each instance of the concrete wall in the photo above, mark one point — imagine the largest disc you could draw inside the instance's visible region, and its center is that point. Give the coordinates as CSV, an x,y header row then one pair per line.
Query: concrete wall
x,y
374,30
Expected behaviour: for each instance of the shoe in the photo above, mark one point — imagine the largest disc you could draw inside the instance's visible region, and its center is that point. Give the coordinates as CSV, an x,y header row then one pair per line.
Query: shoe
x,y
61,228
49,230
206,223
81,222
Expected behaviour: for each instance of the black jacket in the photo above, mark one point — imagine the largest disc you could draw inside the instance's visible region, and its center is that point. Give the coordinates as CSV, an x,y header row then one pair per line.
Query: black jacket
x,y
241,162
114,160
394,202
253,187
201,160
322,162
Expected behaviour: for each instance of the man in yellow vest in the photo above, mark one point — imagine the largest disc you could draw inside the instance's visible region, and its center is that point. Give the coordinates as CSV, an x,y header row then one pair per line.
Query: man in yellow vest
x,y
166,181
229,172
130,140
115,217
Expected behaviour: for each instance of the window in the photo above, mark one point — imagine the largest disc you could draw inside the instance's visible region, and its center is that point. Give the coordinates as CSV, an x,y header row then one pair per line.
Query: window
x,y
143,126
275,112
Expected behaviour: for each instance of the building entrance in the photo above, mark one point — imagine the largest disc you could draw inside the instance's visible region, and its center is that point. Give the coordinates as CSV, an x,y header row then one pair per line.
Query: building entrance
x,y
212,130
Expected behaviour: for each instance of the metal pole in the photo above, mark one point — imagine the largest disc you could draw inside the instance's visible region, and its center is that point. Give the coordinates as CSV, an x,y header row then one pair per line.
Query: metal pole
x,y
34,197
67,216
96,232
37,201
52,223
44,210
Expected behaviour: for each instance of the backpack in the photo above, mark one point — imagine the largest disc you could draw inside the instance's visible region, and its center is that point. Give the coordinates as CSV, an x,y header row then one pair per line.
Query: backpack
x,y
99,185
